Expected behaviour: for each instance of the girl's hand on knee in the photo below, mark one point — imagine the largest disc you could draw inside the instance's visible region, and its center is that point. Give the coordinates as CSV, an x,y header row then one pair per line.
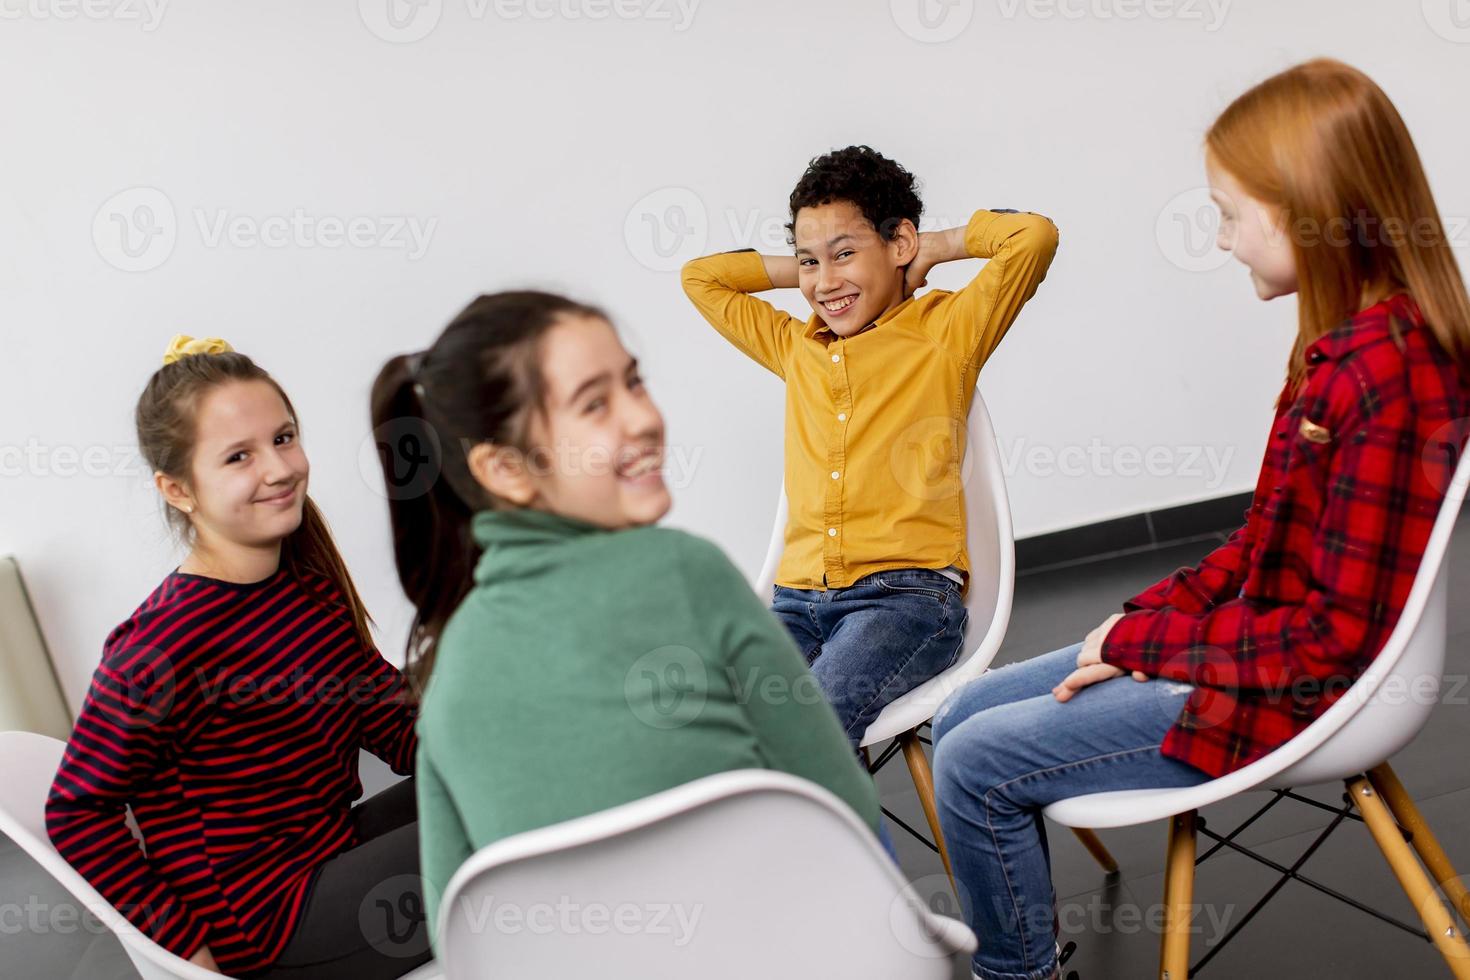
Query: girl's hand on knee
x,y
1090,667
1084,677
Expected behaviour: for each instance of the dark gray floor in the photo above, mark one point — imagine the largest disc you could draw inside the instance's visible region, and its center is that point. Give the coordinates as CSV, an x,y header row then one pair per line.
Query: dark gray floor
x,y
1301,934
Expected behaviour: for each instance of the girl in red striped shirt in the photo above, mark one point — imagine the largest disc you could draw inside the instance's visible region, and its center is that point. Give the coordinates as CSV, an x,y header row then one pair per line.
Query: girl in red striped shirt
x,y
228,712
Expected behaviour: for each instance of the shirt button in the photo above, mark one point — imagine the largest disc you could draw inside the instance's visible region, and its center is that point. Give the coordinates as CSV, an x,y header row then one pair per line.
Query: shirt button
x,y
842,416
836,358
831,532
834,474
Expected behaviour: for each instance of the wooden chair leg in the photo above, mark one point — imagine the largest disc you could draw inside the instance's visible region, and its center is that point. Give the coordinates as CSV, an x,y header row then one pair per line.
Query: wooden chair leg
x,y
1178,898
1415,883
1401,804
1095,847
913,754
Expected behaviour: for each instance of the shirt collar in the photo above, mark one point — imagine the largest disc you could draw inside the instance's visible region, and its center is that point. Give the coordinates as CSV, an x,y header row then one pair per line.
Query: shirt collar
x,y
524,540
816,327
1374,323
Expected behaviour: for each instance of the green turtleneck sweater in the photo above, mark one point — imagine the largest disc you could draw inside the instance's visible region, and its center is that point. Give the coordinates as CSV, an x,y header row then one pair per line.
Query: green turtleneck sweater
x,y
588,668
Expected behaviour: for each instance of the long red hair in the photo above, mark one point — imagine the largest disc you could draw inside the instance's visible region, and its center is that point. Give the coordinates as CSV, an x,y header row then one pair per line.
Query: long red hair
x,y
1322,143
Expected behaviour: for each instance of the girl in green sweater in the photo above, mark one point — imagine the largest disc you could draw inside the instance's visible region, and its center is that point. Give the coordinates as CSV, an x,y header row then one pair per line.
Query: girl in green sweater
x,y
572,655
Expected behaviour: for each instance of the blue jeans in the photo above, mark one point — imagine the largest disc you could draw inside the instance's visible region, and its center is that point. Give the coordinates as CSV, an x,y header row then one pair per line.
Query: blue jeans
x,y
878,638
1004,747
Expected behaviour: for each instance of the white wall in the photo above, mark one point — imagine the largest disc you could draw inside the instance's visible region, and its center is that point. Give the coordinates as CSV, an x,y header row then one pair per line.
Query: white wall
x,y
529,147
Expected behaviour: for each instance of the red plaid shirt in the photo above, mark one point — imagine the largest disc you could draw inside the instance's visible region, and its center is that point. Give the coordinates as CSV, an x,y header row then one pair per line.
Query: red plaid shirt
x,y
1274,626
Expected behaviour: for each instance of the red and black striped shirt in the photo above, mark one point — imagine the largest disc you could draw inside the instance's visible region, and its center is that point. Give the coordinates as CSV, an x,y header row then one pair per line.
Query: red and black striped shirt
x,y
229,717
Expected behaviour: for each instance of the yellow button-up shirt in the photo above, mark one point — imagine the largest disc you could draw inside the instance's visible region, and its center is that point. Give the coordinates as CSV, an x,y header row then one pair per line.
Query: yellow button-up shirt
x,y
875,422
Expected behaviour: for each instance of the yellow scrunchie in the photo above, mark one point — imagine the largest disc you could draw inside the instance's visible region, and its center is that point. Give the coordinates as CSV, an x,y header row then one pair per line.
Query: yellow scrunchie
x,y
183,345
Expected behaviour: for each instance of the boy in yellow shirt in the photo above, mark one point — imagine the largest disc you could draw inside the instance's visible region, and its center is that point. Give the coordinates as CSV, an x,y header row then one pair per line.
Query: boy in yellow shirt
x,y
878,387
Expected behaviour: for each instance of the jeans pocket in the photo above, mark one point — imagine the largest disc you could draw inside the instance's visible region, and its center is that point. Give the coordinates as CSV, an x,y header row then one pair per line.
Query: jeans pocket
x,y
917,580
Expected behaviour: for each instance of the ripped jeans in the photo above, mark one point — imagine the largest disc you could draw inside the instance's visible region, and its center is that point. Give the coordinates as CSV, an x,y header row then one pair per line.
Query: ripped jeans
x,y
1004,748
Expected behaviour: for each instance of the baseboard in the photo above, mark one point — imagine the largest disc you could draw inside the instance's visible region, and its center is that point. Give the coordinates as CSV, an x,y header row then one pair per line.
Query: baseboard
x,y
1131,534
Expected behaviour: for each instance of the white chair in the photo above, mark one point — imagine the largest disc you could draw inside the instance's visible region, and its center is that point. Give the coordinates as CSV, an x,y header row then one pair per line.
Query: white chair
x,y
31,762
991,548
1380,714
738,875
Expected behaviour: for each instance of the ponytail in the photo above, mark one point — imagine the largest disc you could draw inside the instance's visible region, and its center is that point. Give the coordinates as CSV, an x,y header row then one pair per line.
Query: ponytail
x,y
480,381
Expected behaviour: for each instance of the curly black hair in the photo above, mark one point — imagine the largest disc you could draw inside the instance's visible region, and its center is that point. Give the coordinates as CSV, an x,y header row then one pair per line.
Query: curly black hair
x,y
880,188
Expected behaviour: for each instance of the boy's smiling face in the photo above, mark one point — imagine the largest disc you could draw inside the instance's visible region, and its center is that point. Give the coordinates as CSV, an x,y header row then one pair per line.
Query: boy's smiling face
x,y
848,272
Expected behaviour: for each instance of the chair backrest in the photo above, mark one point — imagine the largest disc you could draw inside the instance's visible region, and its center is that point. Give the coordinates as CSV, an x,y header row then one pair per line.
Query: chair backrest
x,y
736,875
31,761
991,548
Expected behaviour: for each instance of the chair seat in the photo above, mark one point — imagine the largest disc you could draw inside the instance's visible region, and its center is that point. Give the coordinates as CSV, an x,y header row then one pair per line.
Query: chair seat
x,y
1124,808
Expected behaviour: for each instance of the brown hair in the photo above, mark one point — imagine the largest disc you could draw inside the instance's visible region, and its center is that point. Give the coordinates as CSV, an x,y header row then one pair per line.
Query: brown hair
x,y
480,381
1322,143
167,424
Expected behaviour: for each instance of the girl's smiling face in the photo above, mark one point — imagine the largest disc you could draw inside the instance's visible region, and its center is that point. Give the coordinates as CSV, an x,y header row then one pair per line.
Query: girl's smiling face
x,y
248,474
598,442
1254,233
